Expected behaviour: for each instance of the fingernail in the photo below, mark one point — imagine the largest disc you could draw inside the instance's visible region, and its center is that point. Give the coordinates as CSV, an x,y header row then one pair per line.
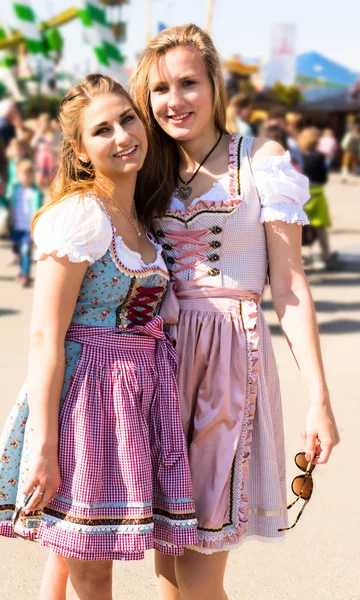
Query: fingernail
x,y
26,512
308,456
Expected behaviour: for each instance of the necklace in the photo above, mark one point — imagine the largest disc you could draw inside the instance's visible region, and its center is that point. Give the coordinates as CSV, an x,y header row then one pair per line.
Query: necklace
x,y
133,223
185,190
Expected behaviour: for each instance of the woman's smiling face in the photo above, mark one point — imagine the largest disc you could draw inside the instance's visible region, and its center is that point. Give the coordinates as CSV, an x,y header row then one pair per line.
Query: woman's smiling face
x,y
113,136
181,94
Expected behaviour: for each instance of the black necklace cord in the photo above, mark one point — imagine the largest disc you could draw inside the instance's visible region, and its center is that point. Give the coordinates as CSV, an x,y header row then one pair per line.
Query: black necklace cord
x,y
201,164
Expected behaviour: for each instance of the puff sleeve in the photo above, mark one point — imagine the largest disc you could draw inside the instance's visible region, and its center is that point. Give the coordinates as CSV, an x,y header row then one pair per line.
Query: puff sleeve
x,y
75,227
283,191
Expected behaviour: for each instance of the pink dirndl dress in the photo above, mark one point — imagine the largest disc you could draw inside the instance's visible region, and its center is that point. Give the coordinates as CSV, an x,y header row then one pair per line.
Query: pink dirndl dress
x,y
125,478
228,381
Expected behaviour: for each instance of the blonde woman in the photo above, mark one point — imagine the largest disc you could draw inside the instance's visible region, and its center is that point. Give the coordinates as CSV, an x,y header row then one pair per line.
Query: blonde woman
x,y
226,208
97,427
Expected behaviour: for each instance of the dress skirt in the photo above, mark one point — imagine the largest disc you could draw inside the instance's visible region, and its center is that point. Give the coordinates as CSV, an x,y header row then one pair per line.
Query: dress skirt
x,y
231,411
317,208
125,479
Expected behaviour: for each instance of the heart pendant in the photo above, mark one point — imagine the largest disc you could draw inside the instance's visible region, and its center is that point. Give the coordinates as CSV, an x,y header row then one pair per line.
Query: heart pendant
x,y
184,192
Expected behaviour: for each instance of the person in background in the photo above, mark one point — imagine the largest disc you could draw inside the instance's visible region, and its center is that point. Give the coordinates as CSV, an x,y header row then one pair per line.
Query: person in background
x,y
291,124
16,151
317,209
275,133
328,145
25,134
3,169
43,144
10,120
350,145
238,114
56,128
24,200
3,180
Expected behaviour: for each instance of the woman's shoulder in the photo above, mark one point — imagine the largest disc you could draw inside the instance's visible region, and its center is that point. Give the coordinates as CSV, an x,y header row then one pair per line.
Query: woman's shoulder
x,y
282,189
76,226
263,148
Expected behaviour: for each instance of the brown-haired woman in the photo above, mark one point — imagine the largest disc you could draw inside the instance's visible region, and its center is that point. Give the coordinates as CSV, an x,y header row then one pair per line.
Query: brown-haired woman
x,y
226,207
103,461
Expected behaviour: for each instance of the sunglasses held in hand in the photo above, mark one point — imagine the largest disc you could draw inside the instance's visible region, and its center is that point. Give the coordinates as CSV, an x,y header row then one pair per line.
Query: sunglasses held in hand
x,y
18,512
302,485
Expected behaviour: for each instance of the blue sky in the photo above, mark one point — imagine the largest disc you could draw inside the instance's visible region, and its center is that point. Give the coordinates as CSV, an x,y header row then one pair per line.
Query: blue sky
x,y
239,27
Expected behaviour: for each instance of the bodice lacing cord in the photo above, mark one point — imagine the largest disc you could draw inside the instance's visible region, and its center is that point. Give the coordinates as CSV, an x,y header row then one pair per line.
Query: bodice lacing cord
x,y
198,248
145,297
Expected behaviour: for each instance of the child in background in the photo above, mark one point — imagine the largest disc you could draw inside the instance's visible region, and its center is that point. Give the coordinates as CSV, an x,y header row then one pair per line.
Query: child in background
x,y
43,143
24,199
16,151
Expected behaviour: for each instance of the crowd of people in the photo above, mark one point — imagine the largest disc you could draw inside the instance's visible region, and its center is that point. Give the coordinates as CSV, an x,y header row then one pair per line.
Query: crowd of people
x,y
151,416
29,155
37,143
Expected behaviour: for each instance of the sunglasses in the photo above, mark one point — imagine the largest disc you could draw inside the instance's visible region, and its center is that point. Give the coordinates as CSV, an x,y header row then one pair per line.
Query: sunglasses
x,y
302,485
18,512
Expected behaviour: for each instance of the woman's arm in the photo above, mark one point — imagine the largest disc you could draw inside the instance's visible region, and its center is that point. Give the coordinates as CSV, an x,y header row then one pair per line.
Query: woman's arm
x,y
295,309
56,290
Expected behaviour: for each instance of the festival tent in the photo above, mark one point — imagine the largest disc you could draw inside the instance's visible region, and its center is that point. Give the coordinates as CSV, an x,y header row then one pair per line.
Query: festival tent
x,y
320,77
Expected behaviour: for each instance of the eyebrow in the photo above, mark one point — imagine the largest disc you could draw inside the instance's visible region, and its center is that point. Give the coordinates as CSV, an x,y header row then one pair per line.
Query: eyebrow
x,y
182,78
105,122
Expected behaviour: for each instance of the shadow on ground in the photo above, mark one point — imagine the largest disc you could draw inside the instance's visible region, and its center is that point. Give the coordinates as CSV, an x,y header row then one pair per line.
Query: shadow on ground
x,y
323,306
336,282
340,326
8,311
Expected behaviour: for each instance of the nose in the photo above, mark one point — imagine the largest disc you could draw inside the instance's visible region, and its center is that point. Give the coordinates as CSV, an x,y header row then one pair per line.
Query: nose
x,y
175,98
121,135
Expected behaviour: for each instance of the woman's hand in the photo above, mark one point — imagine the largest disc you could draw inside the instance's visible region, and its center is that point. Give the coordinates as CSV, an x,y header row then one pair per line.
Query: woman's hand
x,y
44,476
321,433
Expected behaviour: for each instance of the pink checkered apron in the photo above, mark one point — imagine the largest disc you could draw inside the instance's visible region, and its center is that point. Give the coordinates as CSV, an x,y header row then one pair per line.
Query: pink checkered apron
x,y
126,483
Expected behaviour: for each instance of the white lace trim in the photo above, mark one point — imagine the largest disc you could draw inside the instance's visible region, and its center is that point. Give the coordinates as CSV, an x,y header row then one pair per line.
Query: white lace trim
x,y
269,162
235,529
132,259
75,227
288,213
81,230
245,538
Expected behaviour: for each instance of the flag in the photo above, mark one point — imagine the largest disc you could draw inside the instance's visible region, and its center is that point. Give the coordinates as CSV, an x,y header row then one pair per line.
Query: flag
x,y
26,22
99,34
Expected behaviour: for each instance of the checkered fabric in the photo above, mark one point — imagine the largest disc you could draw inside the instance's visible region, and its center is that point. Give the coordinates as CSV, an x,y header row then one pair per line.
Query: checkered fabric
x,y
125,478
238,469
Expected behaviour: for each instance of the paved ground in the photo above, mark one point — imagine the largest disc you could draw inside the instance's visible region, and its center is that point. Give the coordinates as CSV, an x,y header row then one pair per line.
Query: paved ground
x,y
320,558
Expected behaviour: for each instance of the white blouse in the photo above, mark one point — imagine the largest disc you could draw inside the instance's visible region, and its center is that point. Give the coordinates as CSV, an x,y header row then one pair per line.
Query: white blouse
x,y
282,190
80,229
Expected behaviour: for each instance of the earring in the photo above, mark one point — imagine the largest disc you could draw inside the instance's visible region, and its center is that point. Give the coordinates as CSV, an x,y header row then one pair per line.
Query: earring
x,y
83,158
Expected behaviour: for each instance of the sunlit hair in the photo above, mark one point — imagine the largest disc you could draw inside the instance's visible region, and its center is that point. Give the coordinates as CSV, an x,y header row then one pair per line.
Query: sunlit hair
x,y
74,176
308,139
158,183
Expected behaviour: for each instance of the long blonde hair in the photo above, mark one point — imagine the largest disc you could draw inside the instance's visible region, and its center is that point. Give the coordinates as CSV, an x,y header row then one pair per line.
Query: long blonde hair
x,y
74,176
156,184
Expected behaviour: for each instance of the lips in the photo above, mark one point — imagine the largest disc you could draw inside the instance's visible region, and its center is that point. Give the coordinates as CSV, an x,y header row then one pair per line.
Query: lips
x,y
179,118
128,152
